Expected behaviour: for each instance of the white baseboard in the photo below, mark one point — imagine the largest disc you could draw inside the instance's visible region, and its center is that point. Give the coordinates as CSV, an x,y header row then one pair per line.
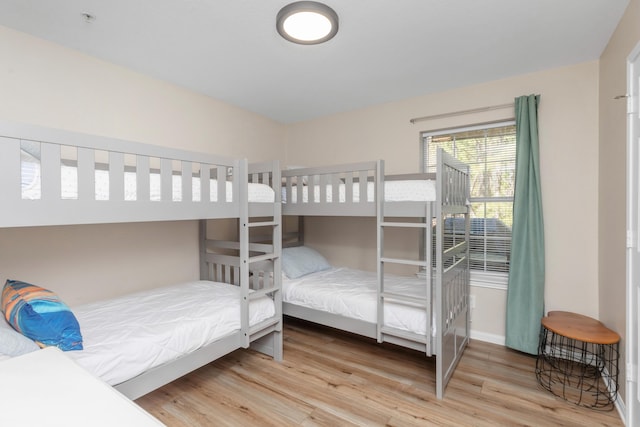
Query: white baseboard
x,y
618,403
486,337
622,410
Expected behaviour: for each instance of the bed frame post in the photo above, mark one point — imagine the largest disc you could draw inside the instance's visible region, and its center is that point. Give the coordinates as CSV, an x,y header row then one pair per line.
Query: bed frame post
x,y
379,186
243,233
437,284
429,280
300,230
277,336
265,257
202,239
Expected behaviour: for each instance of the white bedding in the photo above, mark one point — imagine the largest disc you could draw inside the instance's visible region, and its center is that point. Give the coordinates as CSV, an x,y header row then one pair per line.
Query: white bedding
x,y
46,388
31,186
394,191
353,293
127,336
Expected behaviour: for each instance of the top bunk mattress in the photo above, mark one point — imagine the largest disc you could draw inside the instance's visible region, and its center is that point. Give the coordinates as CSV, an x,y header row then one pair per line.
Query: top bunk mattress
x,y
127,336
422,190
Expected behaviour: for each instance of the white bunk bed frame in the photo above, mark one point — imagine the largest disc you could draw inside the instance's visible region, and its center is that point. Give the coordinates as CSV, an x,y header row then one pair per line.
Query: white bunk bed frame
x,y
51,209
445,271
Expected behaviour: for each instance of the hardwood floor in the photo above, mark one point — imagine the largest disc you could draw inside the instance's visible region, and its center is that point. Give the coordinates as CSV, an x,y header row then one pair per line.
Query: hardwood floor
x,y
333,378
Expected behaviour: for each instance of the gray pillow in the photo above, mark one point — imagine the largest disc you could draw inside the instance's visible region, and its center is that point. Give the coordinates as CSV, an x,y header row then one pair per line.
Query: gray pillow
x,y
12,342
301,260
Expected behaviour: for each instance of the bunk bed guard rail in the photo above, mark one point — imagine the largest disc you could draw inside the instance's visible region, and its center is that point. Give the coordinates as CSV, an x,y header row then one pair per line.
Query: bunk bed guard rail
x,y
54,177
344,190
452,275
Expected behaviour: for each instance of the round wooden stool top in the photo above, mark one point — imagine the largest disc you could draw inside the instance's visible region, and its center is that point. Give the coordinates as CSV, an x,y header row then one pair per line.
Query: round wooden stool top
x,y
578,327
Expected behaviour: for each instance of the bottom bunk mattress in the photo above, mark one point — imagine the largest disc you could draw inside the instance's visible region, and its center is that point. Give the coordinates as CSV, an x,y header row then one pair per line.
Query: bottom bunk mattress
x,y
127,336
353,293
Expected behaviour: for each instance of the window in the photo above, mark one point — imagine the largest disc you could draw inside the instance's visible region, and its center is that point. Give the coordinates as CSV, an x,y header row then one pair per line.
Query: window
x,y
490,152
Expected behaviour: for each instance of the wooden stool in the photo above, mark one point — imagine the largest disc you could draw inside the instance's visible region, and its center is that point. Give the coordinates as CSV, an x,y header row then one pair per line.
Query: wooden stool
x,y
578,359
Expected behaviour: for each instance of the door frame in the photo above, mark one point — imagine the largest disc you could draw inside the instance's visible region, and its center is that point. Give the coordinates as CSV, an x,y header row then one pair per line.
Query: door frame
x,y
632,354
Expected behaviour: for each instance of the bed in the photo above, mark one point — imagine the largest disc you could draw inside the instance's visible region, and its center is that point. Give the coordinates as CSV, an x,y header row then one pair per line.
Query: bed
x,y
54,177
65,394
129,336
435,298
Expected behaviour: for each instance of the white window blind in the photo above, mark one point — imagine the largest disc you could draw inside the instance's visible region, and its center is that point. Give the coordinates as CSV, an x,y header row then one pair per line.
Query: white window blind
x,y
490,152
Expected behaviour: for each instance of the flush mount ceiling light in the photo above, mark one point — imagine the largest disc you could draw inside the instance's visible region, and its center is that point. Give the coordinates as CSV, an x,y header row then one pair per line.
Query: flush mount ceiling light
x,y
307,22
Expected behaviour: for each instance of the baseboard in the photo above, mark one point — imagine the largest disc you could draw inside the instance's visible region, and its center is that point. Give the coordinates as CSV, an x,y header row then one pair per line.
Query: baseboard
x,y
486,337
622,410
618,403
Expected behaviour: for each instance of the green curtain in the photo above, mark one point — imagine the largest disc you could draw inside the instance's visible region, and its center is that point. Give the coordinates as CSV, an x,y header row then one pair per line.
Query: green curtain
x,y
525,294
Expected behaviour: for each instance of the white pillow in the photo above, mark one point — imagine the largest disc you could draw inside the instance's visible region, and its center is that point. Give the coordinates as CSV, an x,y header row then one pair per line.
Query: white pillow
x,y
12,342
304,177
301,260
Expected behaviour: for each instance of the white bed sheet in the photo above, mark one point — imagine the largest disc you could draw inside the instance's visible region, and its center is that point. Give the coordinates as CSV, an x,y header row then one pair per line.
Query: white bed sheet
x,y
127,336
353,293
422,190
32,187
46,388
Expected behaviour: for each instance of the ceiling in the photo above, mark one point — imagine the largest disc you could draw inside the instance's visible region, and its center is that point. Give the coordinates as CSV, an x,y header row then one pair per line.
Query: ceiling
x,y
385,50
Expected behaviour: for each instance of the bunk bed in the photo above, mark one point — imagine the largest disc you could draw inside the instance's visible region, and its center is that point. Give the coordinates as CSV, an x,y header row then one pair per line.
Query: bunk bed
x,y
435,299
53,177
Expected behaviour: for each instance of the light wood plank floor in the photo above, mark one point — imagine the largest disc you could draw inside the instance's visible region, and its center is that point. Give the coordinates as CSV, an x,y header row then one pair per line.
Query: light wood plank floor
x,y
338,379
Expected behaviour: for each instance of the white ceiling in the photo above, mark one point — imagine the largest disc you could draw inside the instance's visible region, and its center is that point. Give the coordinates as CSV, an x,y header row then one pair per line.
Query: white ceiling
x,y
385,50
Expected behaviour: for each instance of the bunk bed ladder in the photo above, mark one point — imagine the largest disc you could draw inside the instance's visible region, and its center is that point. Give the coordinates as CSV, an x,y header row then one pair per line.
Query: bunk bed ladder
x,y
385,296
265,275
385,333
264,260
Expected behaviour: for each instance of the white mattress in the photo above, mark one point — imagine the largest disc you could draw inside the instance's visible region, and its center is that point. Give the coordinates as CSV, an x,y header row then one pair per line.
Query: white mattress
x,y
353,293
127,336
394,191
46,388
31,186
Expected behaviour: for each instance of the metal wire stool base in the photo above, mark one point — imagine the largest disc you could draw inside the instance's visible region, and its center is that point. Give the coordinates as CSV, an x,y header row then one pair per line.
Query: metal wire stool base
x,y
583,373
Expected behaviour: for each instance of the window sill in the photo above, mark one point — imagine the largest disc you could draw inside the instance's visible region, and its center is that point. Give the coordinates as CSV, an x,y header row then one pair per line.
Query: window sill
x,y
483,280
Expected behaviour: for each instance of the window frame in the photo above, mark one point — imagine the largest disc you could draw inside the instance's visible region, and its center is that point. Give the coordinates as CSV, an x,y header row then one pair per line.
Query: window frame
x,y
479,278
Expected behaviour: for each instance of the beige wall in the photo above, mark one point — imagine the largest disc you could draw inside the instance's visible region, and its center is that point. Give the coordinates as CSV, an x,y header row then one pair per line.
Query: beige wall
x,y
568,117
45,84
86,263
612,178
